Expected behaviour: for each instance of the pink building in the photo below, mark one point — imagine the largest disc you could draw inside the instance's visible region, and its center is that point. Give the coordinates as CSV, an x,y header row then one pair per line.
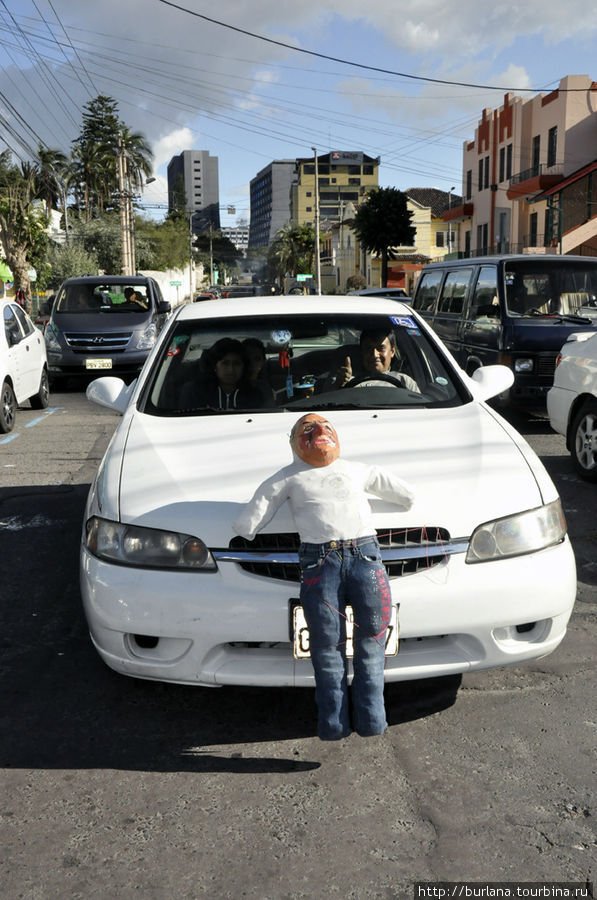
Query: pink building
x,y
524,170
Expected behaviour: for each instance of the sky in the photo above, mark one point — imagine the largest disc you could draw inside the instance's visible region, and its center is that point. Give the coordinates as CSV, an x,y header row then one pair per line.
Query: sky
x,y
403,80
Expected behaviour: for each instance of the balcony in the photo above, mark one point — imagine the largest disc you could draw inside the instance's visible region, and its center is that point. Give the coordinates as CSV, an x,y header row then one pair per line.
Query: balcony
x,y
531,181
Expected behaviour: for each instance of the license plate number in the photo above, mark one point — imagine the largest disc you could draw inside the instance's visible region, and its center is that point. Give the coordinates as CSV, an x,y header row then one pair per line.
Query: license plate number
x,y
98,363
301,633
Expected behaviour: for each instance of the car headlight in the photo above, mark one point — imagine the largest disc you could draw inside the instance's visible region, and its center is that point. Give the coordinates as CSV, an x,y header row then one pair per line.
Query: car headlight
x,y
147,339
523,365
516,535
51,336
132,545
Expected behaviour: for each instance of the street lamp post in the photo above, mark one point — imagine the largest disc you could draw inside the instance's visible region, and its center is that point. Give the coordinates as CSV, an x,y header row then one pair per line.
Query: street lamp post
x,y
317,256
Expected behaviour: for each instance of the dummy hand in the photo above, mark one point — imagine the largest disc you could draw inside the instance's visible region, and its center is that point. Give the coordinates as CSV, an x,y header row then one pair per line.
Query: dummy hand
x,y
344,374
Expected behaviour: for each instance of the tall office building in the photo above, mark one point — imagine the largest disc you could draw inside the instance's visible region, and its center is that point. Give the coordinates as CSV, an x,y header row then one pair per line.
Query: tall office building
x,y
343,177
193,185
270,201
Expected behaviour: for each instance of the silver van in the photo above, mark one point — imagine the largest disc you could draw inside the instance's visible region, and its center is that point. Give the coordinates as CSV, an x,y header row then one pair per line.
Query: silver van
x,y
104,325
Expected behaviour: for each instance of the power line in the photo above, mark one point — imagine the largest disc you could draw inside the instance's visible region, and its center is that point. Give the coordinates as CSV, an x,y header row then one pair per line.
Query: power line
x,y
357,65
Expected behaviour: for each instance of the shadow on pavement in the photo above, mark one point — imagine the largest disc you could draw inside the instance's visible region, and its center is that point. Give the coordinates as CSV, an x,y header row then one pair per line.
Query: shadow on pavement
x,y
63,708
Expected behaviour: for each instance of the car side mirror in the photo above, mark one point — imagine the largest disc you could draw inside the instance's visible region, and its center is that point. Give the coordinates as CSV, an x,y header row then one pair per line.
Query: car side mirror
x,y
111,392
489,381
164,306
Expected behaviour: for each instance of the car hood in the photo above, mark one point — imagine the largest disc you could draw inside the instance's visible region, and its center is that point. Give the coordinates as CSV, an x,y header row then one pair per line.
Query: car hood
x,y
193,475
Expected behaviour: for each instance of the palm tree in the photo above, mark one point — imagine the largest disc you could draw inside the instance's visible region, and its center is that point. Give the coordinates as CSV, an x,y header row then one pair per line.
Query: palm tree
x,y
49,169
292,250
138,154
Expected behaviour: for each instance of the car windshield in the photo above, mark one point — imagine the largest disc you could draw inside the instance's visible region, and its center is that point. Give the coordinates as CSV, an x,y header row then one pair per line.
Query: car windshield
x,y
551,288
313,362
103,298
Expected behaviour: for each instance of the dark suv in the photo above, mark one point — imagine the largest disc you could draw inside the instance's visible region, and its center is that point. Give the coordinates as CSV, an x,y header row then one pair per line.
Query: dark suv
x,y
104,324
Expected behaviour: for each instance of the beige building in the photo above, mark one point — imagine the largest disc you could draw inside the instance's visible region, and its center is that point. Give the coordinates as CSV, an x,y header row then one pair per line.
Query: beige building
x,y
343,177
520,153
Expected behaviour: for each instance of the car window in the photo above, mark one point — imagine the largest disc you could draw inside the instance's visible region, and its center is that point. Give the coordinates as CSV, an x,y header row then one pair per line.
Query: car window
x,y
106,299
454,291
485,300
551,287
26,323
427,290
11,325
210,366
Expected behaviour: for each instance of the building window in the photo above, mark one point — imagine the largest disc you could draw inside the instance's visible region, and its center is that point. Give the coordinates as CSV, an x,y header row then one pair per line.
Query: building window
x,y
309,169
309,209
480,183
552,143
323,182
469,184
509,161
482,239
439,239
486,179
533,230
308,193
502,163
536,151
367,170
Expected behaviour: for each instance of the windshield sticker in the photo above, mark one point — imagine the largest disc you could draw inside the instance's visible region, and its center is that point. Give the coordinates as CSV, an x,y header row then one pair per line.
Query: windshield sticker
x,y
509,278
441,380
404,321
281,337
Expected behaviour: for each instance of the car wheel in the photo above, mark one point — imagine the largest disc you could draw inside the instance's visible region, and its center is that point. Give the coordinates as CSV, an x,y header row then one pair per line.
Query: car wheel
x,y
42,398
584,441
8,408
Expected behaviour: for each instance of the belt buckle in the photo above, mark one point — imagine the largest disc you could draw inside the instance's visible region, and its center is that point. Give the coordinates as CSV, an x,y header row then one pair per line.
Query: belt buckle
x,y
333,545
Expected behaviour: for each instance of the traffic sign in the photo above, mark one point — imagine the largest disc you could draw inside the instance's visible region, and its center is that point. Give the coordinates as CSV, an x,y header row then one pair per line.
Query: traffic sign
x,y
303,277
176,284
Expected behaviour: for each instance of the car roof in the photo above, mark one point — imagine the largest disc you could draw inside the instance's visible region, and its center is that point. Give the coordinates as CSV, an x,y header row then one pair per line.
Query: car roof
x,y
107,279
510,257
295,304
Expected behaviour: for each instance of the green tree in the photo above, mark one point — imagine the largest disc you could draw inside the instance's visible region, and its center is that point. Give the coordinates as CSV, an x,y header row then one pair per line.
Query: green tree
x,y
292,250
382,222
66,261
162,245
22,223
94,155
50,166
221,249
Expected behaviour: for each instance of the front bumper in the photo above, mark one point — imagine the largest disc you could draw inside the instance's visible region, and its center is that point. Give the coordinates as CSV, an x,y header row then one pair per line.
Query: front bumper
x,y
232,627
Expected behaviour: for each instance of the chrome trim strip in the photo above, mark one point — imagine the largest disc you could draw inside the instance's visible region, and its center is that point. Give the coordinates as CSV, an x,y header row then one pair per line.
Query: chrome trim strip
x,y
388,554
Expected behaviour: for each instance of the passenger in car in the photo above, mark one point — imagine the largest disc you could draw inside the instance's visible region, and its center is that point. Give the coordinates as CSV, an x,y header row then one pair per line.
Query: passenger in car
x,y
378,358
226,384
255,357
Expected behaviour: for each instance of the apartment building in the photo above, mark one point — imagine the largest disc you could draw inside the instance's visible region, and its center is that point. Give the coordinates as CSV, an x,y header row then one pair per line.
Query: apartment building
x,y
270,201
193,184
343,177
515,169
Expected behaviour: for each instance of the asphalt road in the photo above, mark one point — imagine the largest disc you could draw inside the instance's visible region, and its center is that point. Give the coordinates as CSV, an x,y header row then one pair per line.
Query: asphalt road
x,y
117,788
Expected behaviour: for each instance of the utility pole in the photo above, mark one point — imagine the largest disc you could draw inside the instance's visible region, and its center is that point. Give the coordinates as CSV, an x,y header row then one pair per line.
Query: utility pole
x,y
126,214
317,256
191,237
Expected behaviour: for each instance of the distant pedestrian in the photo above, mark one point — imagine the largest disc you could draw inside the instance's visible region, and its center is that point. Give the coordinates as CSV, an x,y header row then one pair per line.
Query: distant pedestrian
x,y
23,301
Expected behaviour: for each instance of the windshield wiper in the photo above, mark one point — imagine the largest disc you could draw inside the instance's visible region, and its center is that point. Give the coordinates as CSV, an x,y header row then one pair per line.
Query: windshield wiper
x,y
558,317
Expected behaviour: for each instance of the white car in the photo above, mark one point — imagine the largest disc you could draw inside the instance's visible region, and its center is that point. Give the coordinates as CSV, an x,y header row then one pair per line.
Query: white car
x,y
23,364
572,401
481,568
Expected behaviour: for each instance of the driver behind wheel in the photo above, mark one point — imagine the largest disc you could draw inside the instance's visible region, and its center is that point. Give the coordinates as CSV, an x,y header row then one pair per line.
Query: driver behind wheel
x,y
378,353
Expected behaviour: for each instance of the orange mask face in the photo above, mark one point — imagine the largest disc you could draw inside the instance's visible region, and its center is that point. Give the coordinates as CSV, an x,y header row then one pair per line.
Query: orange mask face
x,y
315,441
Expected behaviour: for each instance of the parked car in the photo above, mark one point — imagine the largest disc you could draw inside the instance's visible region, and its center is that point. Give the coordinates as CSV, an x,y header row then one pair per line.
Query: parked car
x,y
104,322
513,310
481,569
23,364
572,401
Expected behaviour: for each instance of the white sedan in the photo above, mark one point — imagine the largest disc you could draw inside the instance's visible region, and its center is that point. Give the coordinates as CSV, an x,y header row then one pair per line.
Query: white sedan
x,y
23,364
481,568
572,401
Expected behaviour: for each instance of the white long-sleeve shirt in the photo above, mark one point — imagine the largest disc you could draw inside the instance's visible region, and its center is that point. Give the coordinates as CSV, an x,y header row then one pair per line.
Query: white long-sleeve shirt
x,y
327,502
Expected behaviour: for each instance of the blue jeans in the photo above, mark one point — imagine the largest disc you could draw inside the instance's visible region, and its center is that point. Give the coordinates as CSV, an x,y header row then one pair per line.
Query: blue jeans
x,y
334,575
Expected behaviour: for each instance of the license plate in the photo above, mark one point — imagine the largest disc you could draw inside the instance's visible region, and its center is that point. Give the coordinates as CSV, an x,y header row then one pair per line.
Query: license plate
x,y
98,363
301,633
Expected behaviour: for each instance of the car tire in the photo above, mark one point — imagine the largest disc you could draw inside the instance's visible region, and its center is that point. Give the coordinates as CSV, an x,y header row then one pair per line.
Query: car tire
x,y
8,408
584,441
42,398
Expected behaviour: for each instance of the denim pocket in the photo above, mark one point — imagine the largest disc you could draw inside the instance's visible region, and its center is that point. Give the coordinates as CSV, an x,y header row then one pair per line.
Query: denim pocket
x,y
370,553
310,559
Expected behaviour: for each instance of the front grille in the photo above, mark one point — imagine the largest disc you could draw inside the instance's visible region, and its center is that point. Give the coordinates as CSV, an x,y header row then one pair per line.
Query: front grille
x,y
429,541
92,342
546,365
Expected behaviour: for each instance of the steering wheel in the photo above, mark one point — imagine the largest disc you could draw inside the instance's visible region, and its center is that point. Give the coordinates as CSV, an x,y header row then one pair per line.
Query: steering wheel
x,y
390,380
